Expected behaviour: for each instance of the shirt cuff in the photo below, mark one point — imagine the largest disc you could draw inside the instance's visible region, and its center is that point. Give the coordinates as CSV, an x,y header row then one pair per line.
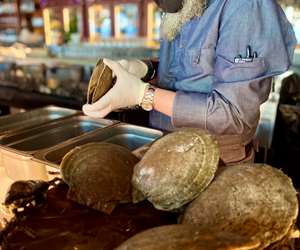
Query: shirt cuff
x,y
189,110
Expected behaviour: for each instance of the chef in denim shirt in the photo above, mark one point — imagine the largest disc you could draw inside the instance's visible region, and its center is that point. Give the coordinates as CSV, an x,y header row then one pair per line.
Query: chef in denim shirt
x,y
217,60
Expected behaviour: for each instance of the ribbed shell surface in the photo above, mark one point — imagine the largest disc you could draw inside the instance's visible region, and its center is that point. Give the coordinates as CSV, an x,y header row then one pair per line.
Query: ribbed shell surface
x,y
254,200
176,168
99,175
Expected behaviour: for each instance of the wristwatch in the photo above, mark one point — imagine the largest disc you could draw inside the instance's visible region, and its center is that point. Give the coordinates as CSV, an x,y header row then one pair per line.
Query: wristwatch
x,y
148,99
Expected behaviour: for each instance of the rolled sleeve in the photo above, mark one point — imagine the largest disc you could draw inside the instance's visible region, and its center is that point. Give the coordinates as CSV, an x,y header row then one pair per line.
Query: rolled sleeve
x,y
189,109
228,109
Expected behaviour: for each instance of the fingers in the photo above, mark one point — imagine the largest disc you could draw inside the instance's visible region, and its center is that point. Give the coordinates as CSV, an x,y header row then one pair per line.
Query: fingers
x,y
124,63
96,114
102,103
114,66
98,109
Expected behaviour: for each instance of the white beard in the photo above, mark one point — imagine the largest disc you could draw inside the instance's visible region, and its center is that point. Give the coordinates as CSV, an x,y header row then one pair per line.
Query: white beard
x,y
172,23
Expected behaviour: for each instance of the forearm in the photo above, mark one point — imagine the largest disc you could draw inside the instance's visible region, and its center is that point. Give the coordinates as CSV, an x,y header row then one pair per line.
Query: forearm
x,y
229,109
164,101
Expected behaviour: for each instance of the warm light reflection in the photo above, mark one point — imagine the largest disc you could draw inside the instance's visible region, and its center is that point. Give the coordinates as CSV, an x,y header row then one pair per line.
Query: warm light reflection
x,y
66,17
117,11
150,21
92,20
153,22
47,26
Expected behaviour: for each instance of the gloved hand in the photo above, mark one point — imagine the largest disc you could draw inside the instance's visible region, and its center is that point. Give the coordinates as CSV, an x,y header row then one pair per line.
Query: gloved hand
x,y
135,67
127,91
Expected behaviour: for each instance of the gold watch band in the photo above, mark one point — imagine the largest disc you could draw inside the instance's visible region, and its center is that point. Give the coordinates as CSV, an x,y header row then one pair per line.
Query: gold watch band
x,y
148,99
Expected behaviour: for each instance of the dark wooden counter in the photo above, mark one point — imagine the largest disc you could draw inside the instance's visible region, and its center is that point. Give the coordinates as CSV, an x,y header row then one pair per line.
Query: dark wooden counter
x,y
10,96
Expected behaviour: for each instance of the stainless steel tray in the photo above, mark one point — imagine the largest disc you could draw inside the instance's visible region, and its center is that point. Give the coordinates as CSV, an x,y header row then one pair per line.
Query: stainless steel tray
x,y
130,136
17,156
36,117
51,134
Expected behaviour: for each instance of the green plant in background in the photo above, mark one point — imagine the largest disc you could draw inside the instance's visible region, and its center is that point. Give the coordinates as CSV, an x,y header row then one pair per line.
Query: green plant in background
x,y
73,26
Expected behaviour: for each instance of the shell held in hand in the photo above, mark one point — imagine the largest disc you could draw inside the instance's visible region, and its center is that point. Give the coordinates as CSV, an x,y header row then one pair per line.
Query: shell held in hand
x,y
99,175
100,83
254,200
176,168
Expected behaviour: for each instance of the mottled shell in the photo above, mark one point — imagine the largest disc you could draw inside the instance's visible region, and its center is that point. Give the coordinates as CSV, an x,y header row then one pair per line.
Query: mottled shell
x,y
187,237
100,82
175,169
99,175
254,200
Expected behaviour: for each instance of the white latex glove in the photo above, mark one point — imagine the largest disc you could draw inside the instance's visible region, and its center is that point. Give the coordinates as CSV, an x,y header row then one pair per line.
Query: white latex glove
x,y
127,91
135,67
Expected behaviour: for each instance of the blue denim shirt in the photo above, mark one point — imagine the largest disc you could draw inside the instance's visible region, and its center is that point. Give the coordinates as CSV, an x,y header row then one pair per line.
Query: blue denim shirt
x,y
214,92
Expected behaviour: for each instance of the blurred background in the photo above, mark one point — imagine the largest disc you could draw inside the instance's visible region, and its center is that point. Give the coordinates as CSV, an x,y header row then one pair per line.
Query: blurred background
x,y
51,47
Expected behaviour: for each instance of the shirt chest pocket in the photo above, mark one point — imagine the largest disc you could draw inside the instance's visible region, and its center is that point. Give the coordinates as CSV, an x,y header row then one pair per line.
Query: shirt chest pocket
x,y
198,62
228,71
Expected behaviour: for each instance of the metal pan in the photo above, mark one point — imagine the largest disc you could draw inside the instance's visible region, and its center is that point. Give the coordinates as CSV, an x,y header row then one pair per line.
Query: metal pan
x,y
48,135
36,117
22,121
130,136
16,156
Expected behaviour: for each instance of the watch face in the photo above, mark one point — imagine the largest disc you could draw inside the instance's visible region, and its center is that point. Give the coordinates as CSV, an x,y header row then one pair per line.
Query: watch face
x,y
147,106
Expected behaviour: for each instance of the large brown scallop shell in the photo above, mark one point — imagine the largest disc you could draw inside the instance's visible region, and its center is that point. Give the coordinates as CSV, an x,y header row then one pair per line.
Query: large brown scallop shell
x,y
100,83
176,168
254,200
99,175
187,237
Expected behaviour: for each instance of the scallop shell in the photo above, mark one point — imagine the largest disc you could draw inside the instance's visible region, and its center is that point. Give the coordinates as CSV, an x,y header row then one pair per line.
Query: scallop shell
x,y
176,168
100,83
187,237
254,200
99,175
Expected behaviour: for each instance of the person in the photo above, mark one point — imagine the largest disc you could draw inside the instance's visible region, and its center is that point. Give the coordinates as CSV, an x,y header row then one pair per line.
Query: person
x,y
217,60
